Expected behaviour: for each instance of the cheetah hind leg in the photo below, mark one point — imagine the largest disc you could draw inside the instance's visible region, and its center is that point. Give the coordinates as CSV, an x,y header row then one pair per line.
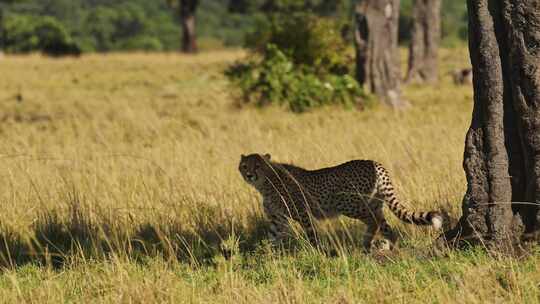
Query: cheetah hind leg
x,y
367,210
389,236
370,212
369,235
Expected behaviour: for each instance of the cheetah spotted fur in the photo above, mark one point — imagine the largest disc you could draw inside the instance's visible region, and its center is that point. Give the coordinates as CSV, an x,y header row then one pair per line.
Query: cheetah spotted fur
x,y
356,189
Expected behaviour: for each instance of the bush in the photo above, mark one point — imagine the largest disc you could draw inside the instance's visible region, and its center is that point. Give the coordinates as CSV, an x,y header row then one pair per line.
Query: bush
x,y
25,34
19,34
300,59
306,38
54,39
276,79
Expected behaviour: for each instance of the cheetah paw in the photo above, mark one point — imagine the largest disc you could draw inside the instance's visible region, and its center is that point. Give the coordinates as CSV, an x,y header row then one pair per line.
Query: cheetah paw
x,y
382,245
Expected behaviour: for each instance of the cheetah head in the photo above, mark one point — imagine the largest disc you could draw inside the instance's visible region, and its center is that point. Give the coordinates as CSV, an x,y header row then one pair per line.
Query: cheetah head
x,y
251,167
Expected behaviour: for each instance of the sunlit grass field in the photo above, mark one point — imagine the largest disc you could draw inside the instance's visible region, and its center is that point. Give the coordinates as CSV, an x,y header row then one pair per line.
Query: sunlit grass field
x,y
119,184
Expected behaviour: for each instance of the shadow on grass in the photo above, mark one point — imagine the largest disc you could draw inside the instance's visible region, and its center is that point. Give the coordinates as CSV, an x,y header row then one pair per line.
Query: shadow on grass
x,y
59,237
77,233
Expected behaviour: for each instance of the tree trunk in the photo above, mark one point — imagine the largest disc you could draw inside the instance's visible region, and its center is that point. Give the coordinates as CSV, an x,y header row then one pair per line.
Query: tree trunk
x,y
377,53
426,30
187,18
2,38
502,146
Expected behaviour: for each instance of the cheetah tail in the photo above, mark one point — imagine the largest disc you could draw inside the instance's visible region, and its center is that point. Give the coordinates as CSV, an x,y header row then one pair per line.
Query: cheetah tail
x,y
433,218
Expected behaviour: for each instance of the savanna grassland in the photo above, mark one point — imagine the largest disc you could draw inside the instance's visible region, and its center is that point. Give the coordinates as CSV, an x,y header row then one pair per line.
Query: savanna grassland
x,y
119,184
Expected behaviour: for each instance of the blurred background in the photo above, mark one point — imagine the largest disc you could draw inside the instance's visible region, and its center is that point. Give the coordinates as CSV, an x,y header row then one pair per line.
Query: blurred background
x,y
85,26
122,123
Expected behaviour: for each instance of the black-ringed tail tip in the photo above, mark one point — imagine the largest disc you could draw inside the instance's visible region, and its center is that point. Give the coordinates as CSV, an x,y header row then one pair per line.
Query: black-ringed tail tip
x,y
436,220
290,192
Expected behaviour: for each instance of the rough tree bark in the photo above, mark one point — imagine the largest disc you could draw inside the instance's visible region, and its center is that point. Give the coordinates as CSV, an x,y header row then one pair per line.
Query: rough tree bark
x,y
502,146
425,36
187,19
377,53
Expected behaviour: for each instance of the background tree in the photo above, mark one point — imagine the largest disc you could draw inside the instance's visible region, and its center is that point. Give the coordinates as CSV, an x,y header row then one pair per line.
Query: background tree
x,y
125,25
424,44
502,150
187,17
1,27
186,12
3,6
377,53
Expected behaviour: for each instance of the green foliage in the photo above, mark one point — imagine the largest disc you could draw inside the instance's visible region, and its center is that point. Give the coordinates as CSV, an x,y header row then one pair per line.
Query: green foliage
x,y
95,25
126,29
24,34
111,25
144,43
228,23
453,22
319,7
19,34
306,39
277,79
454,25
300,58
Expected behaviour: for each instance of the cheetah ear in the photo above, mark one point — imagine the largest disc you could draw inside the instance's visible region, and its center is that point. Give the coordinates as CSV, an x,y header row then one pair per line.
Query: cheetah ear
x,y
267,156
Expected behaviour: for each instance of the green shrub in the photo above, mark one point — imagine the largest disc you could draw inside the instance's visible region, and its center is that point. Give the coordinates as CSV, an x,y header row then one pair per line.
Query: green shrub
x,y
25,34
306,38
300,59
19,34
276,79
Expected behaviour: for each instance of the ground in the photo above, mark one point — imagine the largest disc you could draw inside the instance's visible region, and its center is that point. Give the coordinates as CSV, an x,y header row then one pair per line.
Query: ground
x,y
120,184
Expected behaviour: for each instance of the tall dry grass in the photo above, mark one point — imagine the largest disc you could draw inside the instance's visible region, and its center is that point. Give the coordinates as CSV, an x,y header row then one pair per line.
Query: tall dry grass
x,y
120,183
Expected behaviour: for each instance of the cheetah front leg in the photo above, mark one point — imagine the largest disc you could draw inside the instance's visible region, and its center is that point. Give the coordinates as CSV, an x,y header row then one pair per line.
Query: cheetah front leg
x,y
279,222
279,228
308,225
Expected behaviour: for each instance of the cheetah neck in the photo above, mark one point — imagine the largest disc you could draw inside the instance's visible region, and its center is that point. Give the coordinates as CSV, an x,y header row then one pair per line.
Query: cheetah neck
x,y
277,176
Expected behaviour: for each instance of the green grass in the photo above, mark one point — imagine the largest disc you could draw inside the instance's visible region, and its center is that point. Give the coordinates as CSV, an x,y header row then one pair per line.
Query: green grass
x,y
120,184
472,277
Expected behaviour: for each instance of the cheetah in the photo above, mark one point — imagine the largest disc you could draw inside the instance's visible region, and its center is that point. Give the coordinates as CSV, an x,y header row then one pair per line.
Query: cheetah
x,y
356,189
